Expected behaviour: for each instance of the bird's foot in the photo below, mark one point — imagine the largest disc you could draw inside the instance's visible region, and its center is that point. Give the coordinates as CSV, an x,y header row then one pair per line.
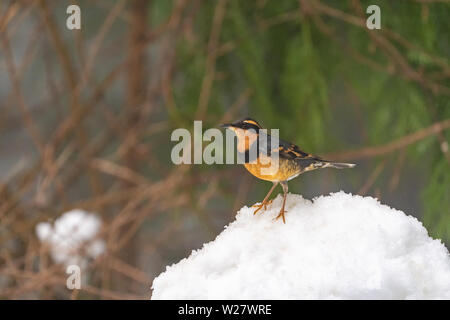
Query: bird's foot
x,y
263,204
281,215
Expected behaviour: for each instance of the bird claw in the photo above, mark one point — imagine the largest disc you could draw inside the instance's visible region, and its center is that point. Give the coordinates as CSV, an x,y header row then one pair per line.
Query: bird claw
x,y
281,214
263,204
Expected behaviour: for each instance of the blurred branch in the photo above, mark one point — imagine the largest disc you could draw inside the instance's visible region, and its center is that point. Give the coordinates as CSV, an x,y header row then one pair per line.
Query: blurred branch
x,y
29,123
210,70
401,143
122,172
391,51
372,178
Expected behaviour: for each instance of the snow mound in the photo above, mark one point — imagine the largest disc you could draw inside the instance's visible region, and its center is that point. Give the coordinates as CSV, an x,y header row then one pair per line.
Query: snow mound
x,y
339,246
73,237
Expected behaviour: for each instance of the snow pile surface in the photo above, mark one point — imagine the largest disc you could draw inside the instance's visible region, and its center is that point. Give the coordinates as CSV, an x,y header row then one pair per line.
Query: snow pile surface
x,y
339,246
73,237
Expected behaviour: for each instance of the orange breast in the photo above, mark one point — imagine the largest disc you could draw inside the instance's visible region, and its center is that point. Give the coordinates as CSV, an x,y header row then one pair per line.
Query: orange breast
x,y
270,170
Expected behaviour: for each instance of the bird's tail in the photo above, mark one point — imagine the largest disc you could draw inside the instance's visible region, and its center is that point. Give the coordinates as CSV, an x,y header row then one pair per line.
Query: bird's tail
x,y
338,165
317,163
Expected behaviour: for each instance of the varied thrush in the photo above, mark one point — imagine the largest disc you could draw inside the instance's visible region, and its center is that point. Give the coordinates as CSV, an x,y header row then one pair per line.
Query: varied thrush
x,y
290,162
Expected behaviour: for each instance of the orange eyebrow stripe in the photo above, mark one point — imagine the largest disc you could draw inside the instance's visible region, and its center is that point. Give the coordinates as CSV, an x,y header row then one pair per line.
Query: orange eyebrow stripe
x,y
251,122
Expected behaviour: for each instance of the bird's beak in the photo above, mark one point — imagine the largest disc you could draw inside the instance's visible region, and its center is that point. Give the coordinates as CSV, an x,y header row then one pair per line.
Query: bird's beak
x,y
225,125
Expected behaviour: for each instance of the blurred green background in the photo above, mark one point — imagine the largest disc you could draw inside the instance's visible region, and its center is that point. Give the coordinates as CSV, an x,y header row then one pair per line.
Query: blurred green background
x,y
87,116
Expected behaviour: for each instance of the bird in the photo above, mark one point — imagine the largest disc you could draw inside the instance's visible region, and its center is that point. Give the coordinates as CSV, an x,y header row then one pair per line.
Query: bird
x,y
258,151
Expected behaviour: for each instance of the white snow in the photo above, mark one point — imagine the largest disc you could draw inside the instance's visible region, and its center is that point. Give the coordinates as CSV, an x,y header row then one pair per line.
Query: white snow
x,y
339,246
73,237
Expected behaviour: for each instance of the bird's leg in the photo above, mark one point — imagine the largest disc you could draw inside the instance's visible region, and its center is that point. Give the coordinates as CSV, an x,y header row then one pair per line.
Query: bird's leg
x,y
282,211
264,203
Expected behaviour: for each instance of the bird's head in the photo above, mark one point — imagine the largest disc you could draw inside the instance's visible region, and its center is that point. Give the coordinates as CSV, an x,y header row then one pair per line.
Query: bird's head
x,y
246,131
244,124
